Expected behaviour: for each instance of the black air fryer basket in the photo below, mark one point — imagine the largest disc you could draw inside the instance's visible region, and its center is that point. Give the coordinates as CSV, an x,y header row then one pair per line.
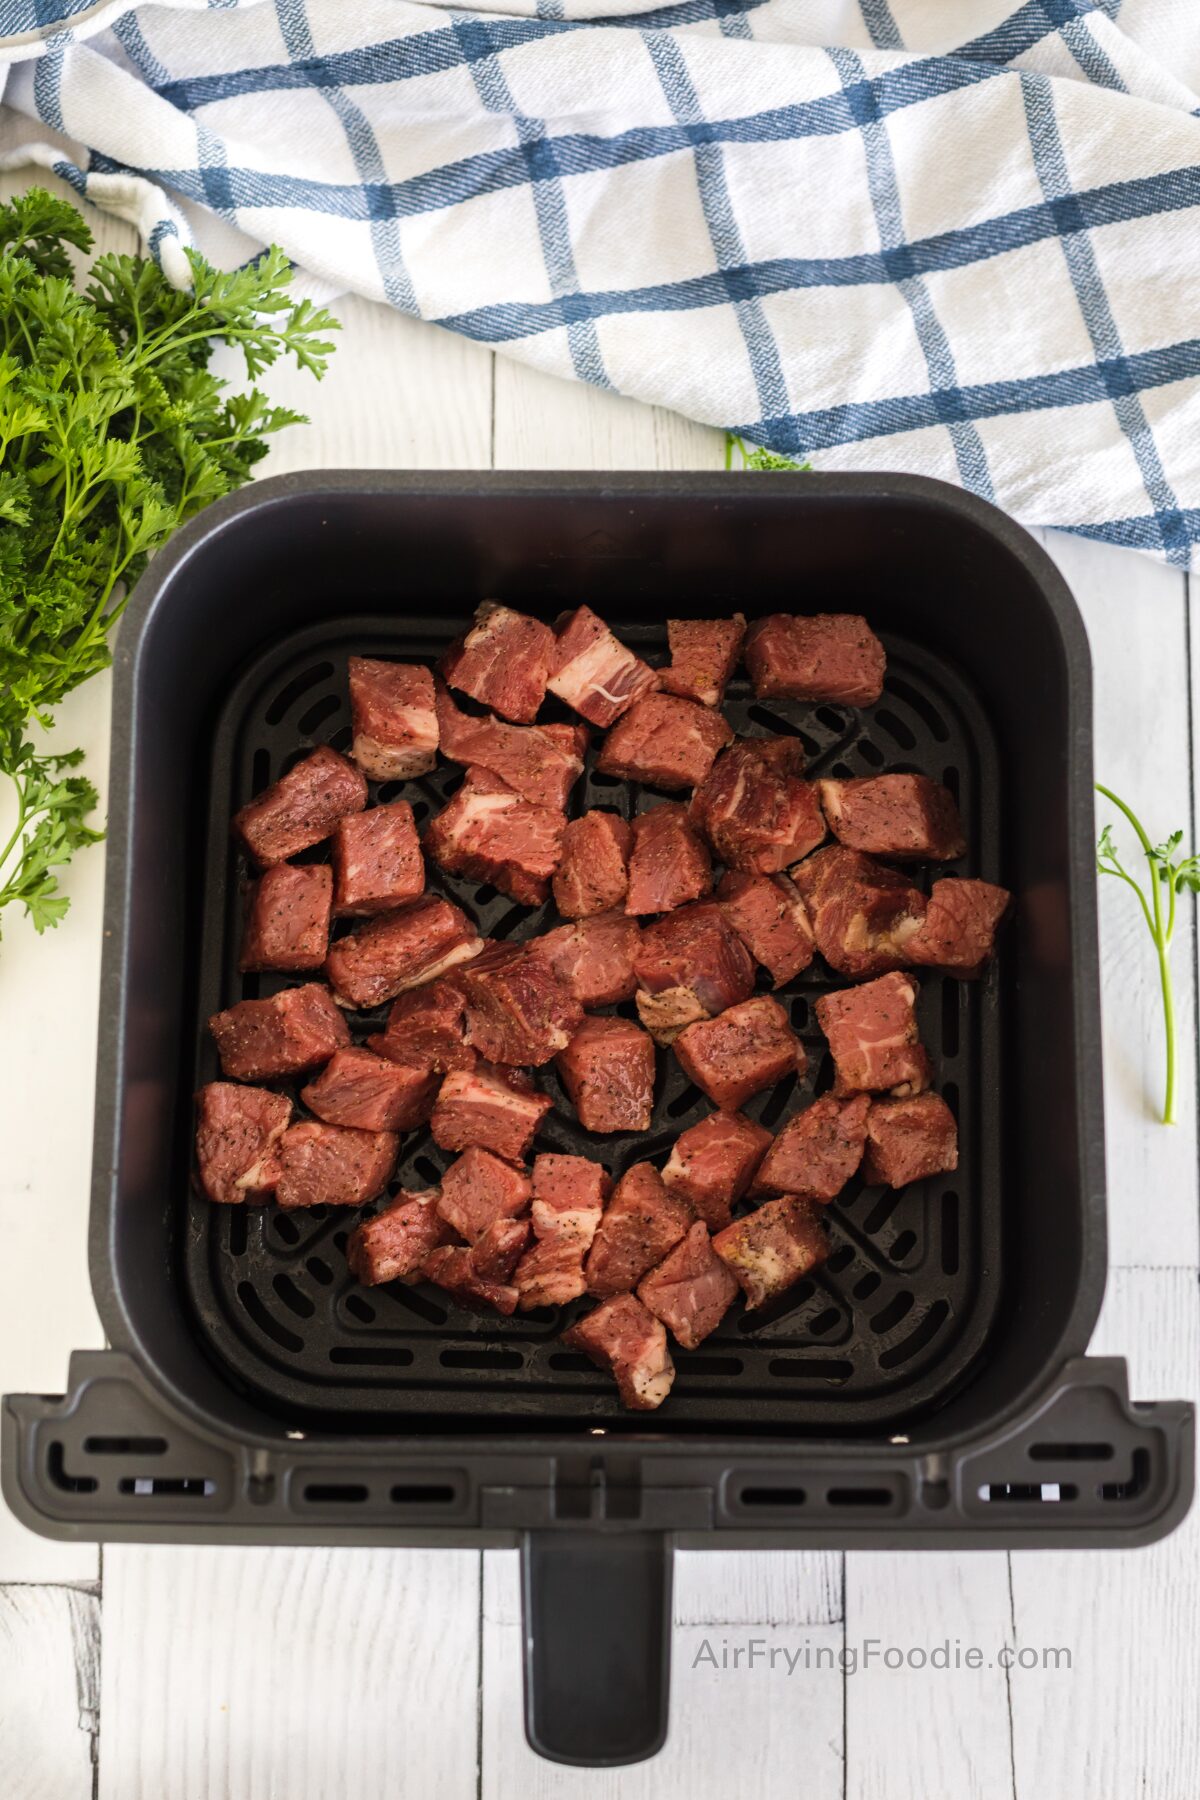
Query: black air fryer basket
x,y
926,1388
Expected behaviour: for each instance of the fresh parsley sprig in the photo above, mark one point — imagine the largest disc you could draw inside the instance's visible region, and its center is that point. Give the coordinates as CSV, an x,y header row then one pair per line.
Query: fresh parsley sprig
x,y
753,456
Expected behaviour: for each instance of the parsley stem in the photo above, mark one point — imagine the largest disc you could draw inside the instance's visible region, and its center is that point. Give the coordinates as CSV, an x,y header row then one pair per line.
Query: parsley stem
x,y
1161,933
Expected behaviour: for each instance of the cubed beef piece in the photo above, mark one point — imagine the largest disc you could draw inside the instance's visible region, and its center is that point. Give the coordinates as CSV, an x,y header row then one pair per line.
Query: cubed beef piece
x,y
643,1220
690,965
395,725
292,1032
287,918
333,1165
542,763
479,1188
624,1338
769,1250
488,833
909,1139
550,1273
358,1088
393,1245
668,864
863,915
427,1028
958,932
301,808
712,1164
872,1032
831,656
665,742
755,810
817,1151
502,662
400,950
377,860
465,1274
496,1109
747,1048
769,915
704,654
593,875
905,816
497,1251
593,957
568,1199
237,1140
608,1071
593,671
691,1290
517,1009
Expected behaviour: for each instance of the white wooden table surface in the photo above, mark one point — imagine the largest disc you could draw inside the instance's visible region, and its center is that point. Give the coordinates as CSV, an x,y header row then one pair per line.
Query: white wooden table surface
x,y
208,1674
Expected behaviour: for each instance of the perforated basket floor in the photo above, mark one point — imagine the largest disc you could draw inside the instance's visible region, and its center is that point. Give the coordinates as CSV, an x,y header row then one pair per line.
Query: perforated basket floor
x,y
892,1321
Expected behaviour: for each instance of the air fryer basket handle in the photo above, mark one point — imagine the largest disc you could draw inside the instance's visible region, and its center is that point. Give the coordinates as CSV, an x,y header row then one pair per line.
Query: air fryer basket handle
x,y
597,1618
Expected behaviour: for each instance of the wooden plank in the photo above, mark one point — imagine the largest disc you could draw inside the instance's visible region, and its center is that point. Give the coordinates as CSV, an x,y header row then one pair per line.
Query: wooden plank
x,y
49,1691
543,422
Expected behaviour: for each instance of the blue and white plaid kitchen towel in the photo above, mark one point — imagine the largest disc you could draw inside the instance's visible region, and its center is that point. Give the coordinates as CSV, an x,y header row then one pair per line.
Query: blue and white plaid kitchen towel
x,y
954,236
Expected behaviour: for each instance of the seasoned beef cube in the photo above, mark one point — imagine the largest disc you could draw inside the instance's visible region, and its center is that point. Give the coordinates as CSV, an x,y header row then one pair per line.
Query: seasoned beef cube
x,y
704,654
393,1245
518,1011
497,1109
542,763
864,916
769,1250
237,1140
550,1273
479,1188
489,833
817,1151
593,957
755,810
909,1139
593,671
668,865
497,1251
293,1031
665,742
747,1048
712,1163
872,1032
769,915
287,920
301,808
831,656
502,662
455,1268
904,816
625,1339
958,933
377,860
427,1028
691,1290
333,1165
593,875
568,1199
641,1222
400,950
608,1071
690,965
358,1088
395,725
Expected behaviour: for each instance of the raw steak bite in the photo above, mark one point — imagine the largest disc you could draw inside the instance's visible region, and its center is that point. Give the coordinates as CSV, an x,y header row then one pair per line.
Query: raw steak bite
x,y
489,833
593,671
301,808
690,965
395,725
287,920
958,933
427,1028
517,1009
817,1151
905,816
909,1139
393,1245
479,1188
400,950
712,1163
479,1276
293,1031
754,809
872,1032
668,865
747,1048
608,1071
593,875
568,1199
496,1109
502,662
769,1250
593,957
377,860
831,656
664,741
331,1165
864,917
691,1290
624,1338
641,1222
358,1088
542,763
769,915
704,654
237,1140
